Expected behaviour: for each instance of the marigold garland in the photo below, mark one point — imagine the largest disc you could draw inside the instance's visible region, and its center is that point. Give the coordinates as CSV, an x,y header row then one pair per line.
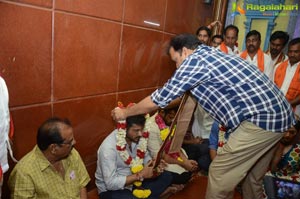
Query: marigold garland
x,y
164,129
136,163
164,132
141,193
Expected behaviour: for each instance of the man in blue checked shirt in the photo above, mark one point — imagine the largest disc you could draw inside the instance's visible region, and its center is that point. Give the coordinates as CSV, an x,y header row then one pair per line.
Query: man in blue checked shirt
x,y
239,97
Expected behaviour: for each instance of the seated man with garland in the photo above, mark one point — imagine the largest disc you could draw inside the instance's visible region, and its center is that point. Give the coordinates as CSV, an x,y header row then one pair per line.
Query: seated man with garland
x,y
125,167
196,139
181,167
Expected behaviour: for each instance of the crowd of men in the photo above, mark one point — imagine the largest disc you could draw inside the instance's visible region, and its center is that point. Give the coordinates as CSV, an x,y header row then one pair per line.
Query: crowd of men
x,y
280,67
249,98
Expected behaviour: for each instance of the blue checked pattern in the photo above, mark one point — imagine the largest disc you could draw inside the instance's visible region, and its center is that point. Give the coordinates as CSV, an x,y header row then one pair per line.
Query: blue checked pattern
x,y
230,89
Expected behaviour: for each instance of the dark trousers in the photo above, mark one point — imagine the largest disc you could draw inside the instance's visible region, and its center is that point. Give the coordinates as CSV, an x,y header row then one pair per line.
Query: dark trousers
x,y
269,186
199,153
156,185
181,178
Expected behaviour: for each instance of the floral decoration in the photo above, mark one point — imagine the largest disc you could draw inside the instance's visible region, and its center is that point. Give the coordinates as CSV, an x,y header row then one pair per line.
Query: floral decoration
x,y
136,163
164,132
222,137
164,129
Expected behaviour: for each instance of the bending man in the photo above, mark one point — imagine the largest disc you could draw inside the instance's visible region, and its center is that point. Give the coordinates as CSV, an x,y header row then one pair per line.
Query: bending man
x,y
238,96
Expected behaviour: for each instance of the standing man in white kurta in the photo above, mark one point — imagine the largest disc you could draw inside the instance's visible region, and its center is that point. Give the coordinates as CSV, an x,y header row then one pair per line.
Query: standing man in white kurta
x,y
4,130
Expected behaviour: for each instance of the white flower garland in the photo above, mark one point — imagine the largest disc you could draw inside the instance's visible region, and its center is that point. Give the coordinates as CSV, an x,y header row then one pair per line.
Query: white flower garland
x,y
142,145
136,163
222,140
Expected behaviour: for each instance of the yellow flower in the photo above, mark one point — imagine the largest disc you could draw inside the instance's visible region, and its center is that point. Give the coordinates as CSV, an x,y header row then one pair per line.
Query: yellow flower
x,y
140,193
136,168
180,159
137,183
173,131
164,133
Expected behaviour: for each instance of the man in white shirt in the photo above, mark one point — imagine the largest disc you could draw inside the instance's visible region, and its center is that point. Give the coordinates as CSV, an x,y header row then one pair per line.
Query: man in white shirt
x,y
159,128
254,55
196,143
278,40
123,160
4,130
230,40
287,74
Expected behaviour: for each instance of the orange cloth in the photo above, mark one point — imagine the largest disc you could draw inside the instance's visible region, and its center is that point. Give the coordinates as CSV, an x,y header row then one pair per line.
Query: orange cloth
x,y
294,88
223,48
260,59
280,59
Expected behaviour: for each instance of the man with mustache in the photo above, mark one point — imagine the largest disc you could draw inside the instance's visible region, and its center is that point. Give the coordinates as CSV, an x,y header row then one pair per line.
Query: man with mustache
x,y
159,128
278,40
124,163
254,55
229,45
53,169
287,74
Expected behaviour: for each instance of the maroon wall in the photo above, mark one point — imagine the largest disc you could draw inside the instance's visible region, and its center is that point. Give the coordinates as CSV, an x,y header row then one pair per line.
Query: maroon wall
x,y
77,59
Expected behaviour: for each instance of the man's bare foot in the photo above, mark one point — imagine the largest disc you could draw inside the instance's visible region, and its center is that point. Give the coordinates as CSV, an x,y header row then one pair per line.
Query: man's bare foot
x,y
178,187
174,188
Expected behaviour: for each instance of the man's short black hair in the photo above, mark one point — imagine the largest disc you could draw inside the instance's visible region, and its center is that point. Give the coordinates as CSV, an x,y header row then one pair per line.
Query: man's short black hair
x,y
208,31
136,119
280,35
168,110
217,36
253,32
294,41
232,27
49,132
189,41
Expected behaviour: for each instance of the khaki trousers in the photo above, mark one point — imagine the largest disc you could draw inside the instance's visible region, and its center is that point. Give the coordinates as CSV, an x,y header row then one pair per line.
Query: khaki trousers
x,y
246,156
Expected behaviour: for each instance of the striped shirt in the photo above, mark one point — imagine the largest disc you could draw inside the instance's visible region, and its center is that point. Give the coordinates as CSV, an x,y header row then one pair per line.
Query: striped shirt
x,y
229,89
